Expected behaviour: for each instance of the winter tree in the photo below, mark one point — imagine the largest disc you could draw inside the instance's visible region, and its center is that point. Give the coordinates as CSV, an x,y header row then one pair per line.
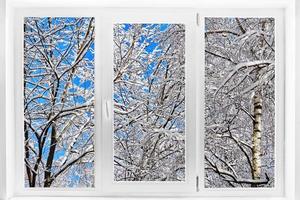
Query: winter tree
x,y
59,101
149,102
239,102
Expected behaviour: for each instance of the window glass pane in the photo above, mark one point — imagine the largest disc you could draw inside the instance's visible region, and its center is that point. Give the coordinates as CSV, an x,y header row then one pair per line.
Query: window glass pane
x,y
59,101
239,102
149,102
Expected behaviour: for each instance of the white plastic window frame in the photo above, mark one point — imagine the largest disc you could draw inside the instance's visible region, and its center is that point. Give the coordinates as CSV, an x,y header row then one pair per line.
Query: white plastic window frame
x,y
14,169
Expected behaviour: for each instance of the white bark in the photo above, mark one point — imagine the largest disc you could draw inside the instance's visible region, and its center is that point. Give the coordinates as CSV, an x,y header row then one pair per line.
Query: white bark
x,y
256,137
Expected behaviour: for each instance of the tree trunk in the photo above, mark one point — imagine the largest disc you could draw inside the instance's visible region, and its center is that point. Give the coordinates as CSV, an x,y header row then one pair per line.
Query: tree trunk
x,y
47,175
256,138
27,154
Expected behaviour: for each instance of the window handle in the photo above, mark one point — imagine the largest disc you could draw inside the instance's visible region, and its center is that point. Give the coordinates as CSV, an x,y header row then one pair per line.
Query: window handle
x,y
197,183
107,109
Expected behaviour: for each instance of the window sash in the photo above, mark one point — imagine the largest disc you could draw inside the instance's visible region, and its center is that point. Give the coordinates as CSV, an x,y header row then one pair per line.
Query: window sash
x,y
109,186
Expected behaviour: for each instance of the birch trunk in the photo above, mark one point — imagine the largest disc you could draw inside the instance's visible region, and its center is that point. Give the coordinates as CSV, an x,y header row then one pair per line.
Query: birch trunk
x,y
256,138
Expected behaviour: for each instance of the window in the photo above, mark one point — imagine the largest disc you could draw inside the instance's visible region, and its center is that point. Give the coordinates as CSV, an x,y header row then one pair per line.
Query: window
x,y
59,101
149,94
147,56
115,102
239,102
